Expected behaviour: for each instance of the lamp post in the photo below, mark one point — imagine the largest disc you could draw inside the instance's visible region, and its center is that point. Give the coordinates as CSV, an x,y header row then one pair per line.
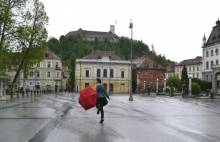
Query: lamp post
x,y
144,86
190,85
157,86
131,95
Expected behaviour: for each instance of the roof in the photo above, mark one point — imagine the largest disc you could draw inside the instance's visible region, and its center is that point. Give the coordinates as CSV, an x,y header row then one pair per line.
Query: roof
x,y
93,34
170,67
214,37
194,61
51,55
146,63
102,54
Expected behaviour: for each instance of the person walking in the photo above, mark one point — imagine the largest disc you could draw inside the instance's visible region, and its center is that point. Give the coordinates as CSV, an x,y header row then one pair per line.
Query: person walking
x,y
101,99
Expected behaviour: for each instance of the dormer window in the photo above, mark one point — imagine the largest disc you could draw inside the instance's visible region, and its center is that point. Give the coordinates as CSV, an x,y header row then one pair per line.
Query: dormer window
x,y
46,55
99,57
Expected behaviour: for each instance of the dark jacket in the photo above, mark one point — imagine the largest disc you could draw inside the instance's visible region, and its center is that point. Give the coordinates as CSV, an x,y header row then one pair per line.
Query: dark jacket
x,y
101,91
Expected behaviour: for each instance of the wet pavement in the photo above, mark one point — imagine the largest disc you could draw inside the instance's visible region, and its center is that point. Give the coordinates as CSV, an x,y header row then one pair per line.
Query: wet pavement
x,y
51,118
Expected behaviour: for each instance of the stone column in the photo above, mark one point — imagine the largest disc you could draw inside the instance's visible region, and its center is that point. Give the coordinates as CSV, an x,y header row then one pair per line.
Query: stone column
x,y
165,85
157,83
190,86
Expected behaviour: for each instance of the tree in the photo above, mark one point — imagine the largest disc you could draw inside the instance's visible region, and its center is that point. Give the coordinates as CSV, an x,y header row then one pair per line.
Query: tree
x,y
174,81
31,36
184,81
10,11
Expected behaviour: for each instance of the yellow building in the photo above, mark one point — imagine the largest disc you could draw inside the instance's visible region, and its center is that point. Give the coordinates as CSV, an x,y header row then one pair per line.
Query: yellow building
x,y
114,72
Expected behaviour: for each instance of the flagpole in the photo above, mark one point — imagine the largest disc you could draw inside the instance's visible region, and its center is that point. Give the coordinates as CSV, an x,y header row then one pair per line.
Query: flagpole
x,y
131,95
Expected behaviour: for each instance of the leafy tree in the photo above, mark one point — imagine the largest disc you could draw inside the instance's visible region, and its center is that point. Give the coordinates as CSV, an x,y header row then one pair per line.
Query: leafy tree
x,y
31,36
174,81
9,11
184,80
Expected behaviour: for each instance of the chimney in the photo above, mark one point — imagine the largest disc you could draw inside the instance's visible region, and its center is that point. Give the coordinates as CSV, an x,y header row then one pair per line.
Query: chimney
x,y
112,29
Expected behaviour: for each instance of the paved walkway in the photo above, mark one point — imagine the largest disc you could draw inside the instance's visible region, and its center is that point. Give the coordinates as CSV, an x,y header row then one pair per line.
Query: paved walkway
x,y
147,119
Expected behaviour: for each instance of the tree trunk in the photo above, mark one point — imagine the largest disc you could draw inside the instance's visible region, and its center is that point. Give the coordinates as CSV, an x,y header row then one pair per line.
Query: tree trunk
x,y
18,71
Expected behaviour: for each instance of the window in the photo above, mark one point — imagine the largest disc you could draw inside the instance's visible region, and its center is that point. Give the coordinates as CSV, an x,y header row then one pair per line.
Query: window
x,y
189,69
207,65
207,77
212,64
193,68
111,73
211,52
58,74
216,62
38,74
216,51
48,74
30,83
31,73
122,74
98,73
193,75
105,73
197,68
57,65
197,75
87,73
38,65
207,53
49,64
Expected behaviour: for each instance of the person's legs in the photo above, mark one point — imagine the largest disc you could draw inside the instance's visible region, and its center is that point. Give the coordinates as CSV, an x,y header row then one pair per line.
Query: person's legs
x,y
102,114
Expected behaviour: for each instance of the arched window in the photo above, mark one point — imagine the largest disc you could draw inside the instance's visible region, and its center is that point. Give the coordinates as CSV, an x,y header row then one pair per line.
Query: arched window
x,y
207,65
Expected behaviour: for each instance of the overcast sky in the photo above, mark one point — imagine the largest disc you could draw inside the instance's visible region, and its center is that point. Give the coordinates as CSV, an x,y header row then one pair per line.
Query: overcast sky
x,y
174,27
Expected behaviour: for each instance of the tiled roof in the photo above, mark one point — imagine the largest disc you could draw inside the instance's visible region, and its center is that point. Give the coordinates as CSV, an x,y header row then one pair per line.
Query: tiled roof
x,y
51,55
146,63
194,61
102,54
214,37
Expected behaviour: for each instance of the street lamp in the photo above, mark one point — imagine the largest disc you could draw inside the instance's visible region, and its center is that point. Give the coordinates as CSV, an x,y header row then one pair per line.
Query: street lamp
x,y
131,96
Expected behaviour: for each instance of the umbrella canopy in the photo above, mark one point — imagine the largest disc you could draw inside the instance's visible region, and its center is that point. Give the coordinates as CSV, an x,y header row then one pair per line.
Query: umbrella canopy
x,y
87,98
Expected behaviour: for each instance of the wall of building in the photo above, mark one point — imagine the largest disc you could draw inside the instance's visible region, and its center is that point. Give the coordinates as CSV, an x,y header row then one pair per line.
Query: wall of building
x,y
148,78
194,70
120,85
49,78
208,57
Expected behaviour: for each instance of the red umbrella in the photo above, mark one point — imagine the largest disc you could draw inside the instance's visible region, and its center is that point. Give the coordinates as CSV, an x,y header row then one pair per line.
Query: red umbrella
x,y
87,98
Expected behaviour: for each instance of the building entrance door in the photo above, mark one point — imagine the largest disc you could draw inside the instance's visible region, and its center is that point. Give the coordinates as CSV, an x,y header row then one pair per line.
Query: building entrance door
x,y
218,83
111,89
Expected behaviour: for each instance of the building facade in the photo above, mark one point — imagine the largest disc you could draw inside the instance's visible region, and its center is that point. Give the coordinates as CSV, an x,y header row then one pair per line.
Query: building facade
x,y
114,72
193,66
46,75
147,74
211,55
95,35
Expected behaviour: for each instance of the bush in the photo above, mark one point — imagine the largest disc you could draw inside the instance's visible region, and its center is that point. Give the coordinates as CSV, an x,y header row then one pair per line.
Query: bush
x,y
196,89
204,85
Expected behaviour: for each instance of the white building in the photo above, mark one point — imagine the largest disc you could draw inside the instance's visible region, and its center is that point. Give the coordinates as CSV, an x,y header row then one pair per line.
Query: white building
x,y
211,56
193,66
46,75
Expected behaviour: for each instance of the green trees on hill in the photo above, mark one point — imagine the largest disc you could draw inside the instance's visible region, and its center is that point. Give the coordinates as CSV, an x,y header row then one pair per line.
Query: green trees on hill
x,y
71,48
